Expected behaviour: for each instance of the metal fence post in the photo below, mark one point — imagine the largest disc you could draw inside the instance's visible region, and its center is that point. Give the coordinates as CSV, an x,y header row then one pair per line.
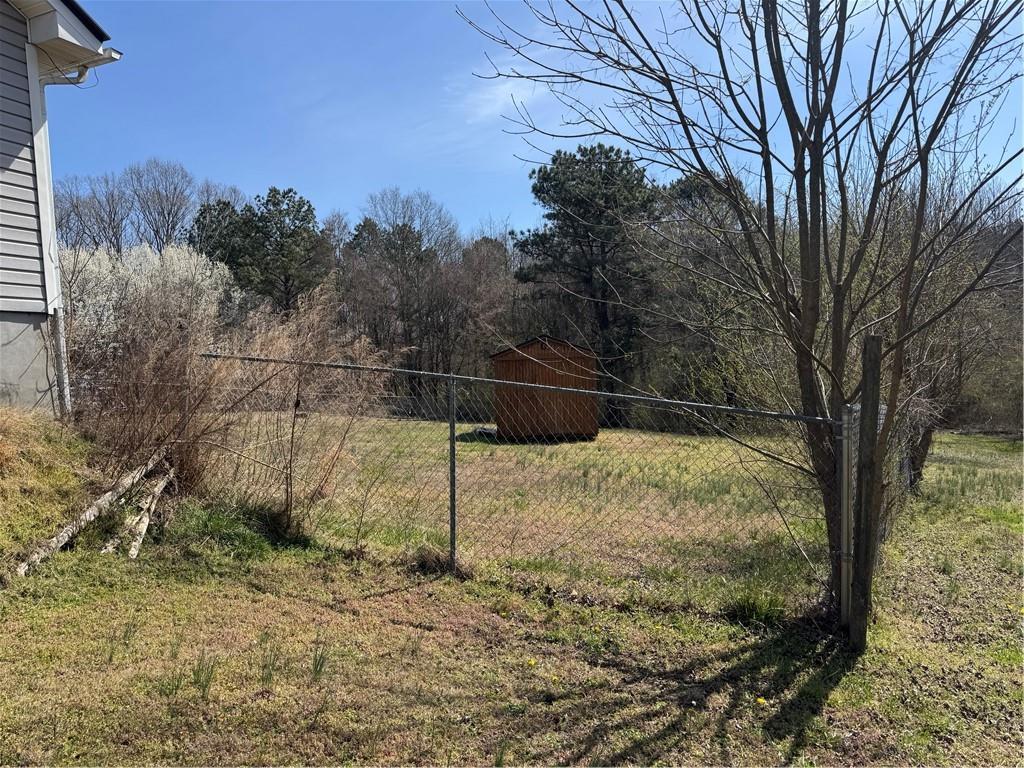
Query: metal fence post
x,y
845,448
451,475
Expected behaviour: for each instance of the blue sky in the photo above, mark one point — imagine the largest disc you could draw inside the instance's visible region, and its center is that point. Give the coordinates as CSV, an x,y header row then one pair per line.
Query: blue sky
x,y
336,99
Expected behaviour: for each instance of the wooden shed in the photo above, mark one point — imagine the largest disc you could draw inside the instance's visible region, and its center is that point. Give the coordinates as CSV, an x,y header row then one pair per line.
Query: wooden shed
x,y
524,413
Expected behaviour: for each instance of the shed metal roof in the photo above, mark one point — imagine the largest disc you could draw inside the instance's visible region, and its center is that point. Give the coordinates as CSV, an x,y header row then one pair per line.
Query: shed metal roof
x,y
550,341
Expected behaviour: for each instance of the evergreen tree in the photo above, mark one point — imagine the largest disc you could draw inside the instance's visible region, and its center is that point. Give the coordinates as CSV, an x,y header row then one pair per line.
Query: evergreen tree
x,y
586,258
273,246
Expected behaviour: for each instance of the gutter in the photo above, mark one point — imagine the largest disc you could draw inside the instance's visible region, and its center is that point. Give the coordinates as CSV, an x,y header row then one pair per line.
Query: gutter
x,y
105,56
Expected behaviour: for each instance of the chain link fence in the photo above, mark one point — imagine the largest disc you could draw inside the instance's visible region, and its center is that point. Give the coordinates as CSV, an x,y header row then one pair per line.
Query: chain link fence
x,y
608,497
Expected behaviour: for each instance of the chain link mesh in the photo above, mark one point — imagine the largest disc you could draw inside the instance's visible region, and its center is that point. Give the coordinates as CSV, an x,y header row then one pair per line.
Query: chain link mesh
x,y
712,510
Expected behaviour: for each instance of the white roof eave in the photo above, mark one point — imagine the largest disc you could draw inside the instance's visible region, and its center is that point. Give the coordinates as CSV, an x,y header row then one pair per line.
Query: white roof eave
x,y
65,41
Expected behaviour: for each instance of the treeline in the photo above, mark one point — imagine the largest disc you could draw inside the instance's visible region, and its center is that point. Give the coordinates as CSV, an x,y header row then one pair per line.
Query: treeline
x,y
620,263
407,277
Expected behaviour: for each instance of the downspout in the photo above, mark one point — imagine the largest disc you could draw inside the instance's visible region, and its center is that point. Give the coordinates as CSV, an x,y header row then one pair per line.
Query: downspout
x,y
62,79
58,328
61,362
60,350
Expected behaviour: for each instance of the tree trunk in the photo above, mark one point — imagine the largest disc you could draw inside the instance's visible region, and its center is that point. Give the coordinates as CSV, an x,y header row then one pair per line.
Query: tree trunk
x,y
822,453
919,450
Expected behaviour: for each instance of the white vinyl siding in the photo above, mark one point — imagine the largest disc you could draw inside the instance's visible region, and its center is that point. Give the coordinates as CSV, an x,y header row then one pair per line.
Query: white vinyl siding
x,y
21,255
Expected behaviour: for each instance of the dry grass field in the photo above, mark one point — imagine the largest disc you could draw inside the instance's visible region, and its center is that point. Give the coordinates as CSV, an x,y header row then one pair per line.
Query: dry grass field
x,y
220,647
701,522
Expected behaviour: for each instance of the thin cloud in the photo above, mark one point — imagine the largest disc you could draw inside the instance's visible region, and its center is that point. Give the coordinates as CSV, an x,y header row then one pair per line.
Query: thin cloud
x,y
494,100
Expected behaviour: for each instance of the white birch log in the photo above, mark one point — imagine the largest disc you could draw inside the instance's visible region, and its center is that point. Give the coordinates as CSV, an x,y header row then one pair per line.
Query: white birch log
x,y
114,541
98,507
117,538
148,508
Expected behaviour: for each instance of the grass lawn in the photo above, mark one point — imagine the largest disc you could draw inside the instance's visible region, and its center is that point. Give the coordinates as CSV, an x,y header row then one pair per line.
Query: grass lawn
x,y
217,648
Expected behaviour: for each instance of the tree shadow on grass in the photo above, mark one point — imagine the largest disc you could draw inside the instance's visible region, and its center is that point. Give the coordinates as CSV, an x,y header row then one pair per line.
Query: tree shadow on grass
x,y
793,666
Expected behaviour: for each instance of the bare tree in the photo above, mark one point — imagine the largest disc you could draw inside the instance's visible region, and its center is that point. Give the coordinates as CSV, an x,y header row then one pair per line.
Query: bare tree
x,y
74,235
823,126
337,232
439,231
948,354
164,196
94,212
70,201
484,285
212,191
108,213
418,291
409,244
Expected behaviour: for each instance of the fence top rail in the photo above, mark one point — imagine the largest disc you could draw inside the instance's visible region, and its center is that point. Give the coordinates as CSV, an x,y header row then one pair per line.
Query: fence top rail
x,y
648,399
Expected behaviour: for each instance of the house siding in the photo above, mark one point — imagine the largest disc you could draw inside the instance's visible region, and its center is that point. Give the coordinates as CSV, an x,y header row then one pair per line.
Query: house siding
x,y
22,282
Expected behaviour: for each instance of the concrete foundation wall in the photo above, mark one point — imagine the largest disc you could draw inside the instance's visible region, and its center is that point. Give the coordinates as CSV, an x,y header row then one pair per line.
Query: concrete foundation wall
x,y
27,375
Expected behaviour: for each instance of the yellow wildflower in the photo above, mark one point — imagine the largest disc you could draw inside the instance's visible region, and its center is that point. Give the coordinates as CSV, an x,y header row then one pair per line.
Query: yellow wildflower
x,y
762,701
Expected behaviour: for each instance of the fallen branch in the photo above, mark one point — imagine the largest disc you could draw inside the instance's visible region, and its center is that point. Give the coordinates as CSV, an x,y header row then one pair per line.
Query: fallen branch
x,y
114,541
148,508
132,522
98,507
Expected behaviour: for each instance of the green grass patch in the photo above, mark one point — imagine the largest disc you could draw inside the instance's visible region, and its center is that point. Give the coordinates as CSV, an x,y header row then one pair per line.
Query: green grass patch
x,y
221,528
43,480
239,649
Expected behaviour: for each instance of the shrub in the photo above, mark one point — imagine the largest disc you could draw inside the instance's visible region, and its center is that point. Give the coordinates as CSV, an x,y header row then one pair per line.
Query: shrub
x,y
136,328
135,325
